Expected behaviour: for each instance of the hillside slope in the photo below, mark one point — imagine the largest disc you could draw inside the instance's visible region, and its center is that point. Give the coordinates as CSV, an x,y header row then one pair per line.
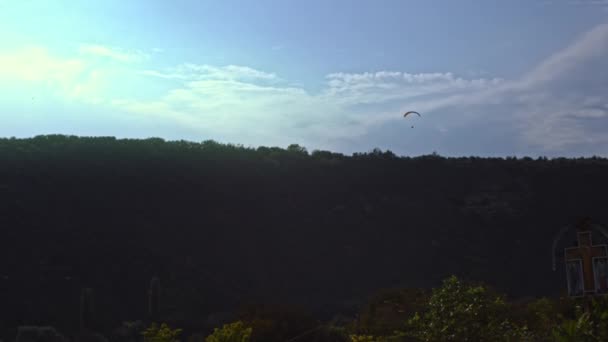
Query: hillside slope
x,y
223,224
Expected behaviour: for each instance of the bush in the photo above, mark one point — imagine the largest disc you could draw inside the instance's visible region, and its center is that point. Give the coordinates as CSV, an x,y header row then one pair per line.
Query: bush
x,y
154,333
232,332
579,330
461,312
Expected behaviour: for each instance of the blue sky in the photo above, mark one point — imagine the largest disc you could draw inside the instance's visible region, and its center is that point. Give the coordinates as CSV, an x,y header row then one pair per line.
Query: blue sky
x,y
491,78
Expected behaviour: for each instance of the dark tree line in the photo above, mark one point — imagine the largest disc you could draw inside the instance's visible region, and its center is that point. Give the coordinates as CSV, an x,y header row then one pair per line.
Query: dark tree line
x,y
224,225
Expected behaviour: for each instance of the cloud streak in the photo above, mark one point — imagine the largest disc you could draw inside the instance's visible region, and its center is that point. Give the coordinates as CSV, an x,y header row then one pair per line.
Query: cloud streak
x,y
603,4
113,53
384,86
564,91
190,71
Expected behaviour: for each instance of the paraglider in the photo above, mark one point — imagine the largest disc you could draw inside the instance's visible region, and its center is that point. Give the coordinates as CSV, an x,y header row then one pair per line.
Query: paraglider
x,y
411,112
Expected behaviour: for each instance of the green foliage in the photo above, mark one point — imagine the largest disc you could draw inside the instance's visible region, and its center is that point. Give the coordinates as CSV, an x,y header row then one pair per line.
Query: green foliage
x,y
585,326
363,338
162,333
541,316
232,332
460,312
376,153
396,337
579,329
599,312
295,148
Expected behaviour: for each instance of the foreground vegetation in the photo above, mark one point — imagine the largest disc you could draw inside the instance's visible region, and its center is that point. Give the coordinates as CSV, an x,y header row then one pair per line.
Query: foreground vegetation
x,y
456,311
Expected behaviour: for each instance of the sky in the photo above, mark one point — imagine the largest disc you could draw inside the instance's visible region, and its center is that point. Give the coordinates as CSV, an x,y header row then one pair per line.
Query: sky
x,y
489,77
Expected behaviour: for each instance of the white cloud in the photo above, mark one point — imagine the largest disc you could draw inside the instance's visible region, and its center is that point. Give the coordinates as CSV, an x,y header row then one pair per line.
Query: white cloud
x,y
383,86
568,86
243,103
593,43
112,53
190,71
591,113
36,64
548,109
558,105
601,3
73,78
243,112
160,74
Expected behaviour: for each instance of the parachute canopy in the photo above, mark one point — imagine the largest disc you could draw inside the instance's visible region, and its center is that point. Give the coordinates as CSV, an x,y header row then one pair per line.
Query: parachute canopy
x,y
411,112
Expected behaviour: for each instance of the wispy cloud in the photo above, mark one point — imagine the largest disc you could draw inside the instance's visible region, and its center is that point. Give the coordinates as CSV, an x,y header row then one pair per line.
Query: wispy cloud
x,y
384,86
601,3
242,110
591,44
581,3
117,54
244,103
560,96
191,71
558,105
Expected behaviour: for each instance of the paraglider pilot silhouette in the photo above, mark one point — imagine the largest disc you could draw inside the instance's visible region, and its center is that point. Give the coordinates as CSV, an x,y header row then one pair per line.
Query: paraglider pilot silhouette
x,y
411,112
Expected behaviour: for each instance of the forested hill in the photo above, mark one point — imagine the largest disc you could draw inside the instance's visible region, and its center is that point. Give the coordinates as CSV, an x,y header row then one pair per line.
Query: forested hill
x,y
222,224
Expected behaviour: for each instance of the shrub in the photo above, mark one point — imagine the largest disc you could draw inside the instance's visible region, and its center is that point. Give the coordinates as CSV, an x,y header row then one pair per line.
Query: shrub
x,y
461,312
232,332
164,333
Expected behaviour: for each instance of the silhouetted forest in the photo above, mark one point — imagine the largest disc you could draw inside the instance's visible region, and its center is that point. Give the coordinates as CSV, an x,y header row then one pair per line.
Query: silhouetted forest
x,y
226,227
